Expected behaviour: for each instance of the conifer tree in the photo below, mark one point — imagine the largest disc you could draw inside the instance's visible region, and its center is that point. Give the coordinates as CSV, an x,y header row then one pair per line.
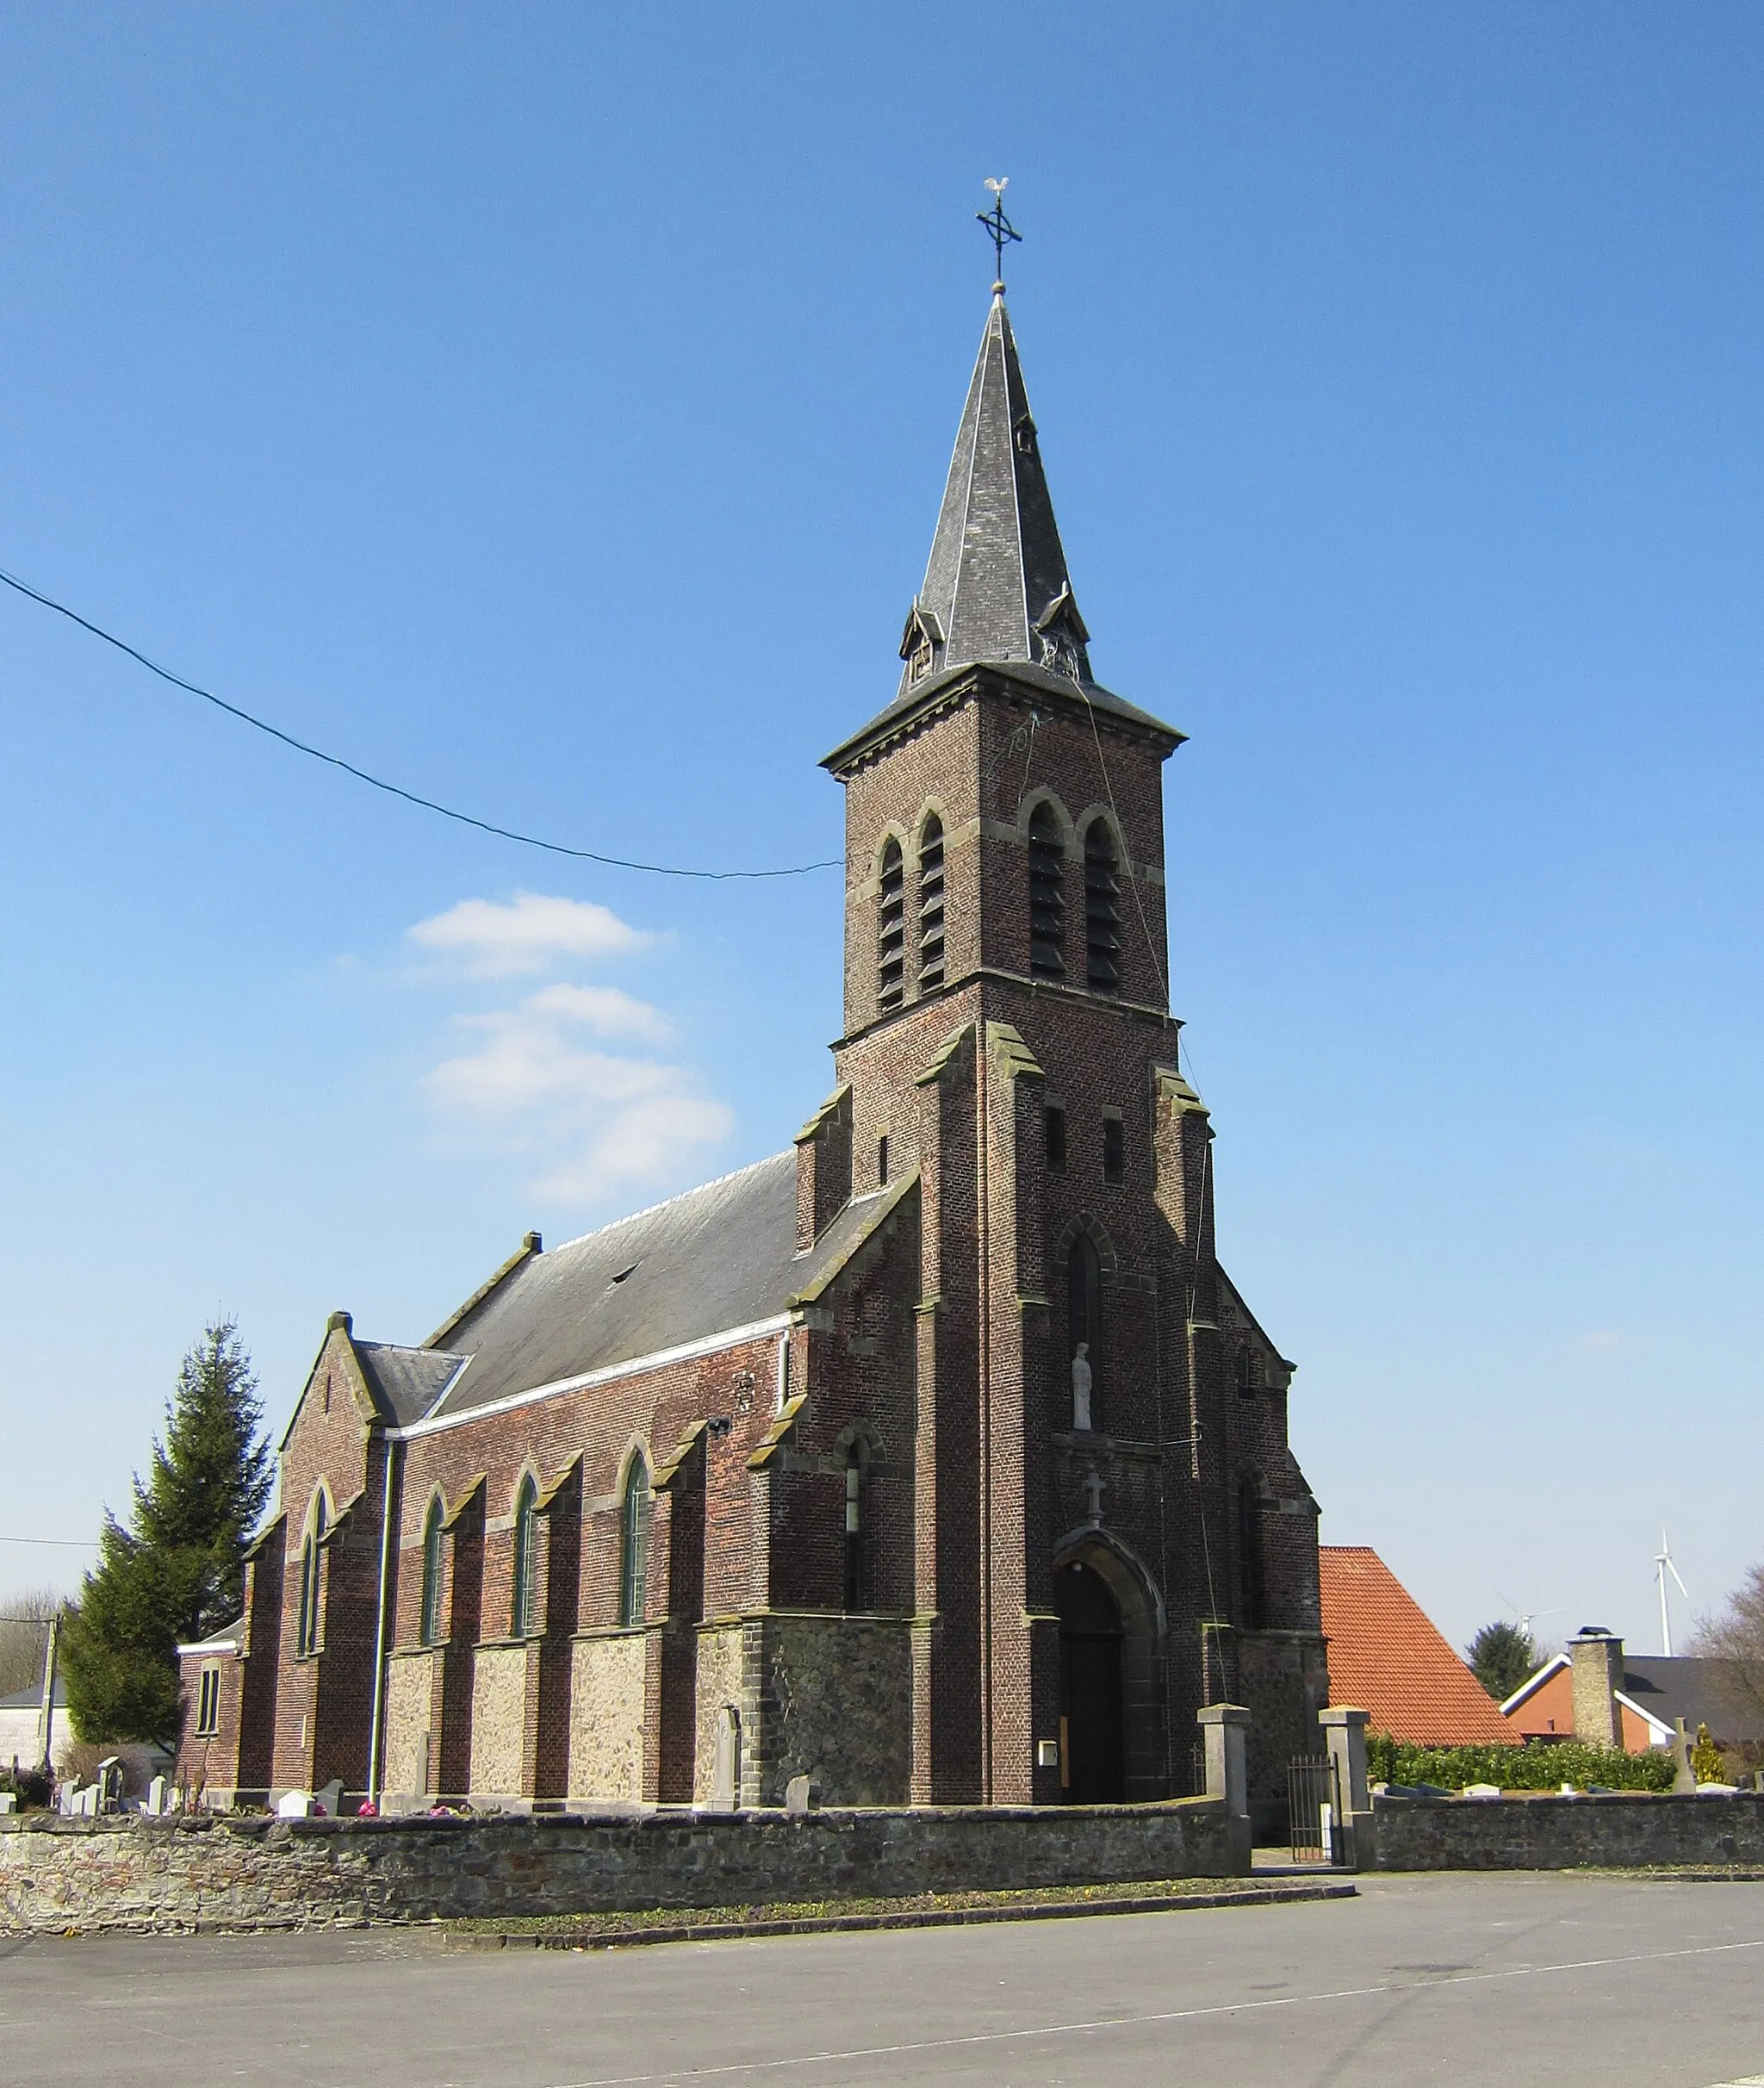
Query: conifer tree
x,y
1502,1655
177,1572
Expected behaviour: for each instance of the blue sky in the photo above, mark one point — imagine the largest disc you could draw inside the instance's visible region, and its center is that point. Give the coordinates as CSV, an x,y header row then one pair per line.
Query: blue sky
x,y
547,406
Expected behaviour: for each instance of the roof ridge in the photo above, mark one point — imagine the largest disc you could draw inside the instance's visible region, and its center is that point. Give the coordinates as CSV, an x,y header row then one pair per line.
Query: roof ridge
x,y
679,1196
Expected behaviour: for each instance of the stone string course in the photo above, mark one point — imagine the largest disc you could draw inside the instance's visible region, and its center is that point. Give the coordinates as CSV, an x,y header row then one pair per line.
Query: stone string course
x,y
258,1872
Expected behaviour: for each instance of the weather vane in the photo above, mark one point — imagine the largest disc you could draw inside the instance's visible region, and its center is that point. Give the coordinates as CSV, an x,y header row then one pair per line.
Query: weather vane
x,y
999,228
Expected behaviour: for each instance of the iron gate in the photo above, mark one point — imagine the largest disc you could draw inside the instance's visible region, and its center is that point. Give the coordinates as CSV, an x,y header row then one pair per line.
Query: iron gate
x,y
1314,1811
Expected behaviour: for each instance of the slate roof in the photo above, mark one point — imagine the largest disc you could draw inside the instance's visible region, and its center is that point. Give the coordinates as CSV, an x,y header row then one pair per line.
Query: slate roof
x,y
996,591
1695,1690
1386,1655
996,566
720,1256
32,1698
405,1383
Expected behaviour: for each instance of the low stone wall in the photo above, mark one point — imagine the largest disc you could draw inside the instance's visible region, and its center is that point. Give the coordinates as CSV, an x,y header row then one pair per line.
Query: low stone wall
x,y
178,1874
1615,1828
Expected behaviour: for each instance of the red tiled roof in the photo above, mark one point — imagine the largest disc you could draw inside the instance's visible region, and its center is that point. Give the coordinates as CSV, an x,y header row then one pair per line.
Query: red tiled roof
x,y
1385,1656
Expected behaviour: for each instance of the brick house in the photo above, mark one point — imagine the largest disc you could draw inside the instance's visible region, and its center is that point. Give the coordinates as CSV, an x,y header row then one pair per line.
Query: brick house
x,y
936,1458
1594,1691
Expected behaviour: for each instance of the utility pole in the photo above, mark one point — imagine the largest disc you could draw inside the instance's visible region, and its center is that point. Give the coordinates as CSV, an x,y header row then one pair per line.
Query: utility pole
x,y
46,1720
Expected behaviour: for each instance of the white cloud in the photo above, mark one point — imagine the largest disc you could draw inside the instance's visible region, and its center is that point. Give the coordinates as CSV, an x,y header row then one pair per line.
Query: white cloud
x,y
643,1142
605,1010
530,932
593,1122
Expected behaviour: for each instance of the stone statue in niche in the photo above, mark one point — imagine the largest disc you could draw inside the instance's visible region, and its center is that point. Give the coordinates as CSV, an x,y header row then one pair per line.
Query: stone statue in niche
x,y
1081,1387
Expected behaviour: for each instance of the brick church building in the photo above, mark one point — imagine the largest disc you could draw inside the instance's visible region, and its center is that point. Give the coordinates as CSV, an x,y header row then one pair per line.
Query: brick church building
x,y
936,1458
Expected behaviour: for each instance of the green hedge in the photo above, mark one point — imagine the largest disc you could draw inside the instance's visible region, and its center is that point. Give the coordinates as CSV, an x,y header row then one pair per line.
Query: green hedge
x,y
1545,1766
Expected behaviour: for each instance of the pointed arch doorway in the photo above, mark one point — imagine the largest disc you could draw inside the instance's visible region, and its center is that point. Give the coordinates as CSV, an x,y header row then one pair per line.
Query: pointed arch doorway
x,y
1093,1750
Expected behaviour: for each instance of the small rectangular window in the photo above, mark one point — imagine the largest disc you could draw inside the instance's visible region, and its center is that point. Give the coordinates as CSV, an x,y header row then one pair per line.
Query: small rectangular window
x,y
882,1161
1053,1116
1114,1150
209,1701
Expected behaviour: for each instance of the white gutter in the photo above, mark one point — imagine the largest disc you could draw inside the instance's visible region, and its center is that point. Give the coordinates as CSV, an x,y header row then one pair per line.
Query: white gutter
x,y
380,1632
706,1345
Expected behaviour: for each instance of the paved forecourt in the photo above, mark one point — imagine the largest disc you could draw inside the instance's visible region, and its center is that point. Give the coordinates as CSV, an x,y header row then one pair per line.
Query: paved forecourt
x,y
1493,1978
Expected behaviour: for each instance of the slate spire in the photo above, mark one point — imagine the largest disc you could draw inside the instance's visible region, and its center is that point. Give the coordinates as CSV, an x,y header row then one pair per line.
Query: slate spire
x,y
997,587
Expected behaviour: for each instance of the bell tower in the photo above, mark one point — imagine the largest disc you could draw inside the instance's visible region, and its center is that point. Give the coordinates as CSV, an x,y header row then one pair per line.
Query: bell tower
x,y
1081,1457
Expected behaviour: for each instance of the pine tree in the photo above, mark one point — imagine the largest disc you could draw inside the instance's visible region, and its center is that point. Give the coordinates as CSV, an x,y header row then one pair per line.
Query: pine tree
x,y
177,1572
1502,1656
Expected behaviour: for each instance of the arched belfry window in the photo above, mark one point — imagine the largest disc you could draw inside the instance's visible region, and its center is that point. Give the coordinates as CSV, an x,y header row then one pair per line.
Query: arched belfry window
x,y
1101,910
890,929
429,1621
524,1608
1253,1565
634,1545
931,905
1047,894
1084,1331
306,1632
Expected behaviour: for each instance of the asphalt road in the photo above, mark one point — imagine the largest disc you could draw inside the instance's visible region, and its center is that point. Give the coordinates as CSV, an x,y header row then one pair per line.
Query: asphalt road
x,y
1501,1980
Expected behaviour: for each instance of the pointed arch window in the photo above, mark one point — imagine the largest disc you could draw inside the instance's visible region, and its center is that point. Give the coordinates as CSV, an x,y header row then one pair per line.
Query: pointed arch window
x,y
854,1530
1101,910
634,1545
890,929
1047,894
524,1608
1253,1565
1084,1323
429,1619
306,1634
931,905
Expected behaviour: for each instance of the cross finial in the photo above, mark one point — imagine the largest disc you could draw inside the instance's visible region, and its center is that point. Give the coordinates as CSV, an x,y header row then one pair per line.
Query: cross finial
x,y
999,228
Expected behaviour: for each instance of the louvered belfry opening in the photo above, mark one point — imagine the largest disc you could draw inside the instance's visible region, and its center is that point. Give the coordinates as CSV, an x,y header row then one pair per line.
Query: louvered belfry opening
x,y
890,930
931,905
1101,910
1047,894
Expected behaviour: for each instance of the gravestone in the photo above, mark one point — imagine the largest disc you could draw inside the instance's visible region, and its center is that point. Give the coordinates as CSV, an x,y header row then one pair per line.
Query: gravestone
x,y
8,1801
293,1805
799,1795
109,1784
155,1800
328,1796
1685,1777
725,1775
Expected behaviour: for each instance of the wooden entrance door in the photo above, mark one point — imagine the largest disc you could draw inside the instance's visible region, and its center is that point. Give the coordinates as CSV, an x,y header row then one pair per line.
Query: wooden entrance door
x,y
1093,1765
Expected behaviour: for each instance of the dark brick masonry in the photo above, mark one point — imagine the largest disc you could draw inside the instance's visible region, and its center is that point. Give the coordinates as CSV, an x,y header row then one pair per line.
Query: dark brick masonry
x,y
869,1486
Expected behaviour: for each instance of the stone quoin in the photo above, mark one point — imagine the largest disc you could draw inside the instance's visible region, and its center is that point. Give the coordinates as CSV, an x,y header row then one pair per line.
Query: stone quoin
x,y
791,1475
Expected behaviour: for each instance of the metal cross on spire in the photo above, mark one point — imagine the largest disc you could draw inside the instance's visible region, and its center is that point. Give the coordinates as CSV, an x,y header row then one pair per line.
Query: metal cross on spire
x,y
999,228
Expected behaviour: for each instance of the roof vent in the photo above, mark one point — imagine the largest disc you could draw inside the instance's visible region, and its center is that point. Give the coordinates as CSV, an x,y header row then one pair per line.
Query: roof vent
x,y
622,1273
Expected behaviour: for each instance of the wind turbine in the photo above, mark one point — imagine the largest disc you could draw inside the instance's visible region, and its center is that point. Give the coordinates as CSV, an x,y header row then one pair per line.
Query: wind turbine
x,y
1525,1618
1663,1566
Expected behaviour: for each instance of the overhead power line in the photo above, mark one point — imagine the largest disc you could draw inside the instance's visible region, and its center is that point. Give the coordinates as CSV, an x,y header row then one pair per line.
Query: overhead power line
x,y
392,789
74,1543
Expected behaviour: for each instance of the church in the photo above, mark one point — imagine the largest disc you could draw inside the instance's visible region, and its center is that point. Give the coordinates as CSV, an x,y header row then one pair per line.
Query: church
x,y
936,1459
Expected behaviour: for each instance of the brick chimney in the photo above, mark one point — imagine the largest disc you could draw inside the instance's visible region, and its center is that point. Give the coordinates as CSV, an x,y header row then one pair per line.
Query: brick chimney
x,y
1598,1675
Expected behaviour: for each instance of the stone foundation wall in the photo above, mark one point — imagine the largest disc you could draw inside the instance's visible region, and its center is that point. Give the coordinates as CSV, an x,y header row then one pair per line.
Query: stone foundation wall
x,y
722,1679
259,1873
411,1697
499,1720
606,1715
1624,1828
842,1690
